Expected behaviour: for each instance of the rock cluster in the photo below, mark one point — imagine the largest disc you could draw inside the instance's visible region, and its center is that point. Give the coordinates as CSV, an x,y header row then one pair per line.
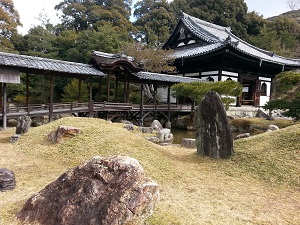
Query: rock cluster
x,y
107,191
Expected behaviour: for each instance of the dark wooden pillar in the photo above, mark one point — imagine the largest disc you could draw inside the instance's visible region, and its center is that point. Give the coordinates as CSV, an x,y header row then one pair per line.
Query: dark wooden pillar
x,y
116,89
4,106
51,99
100,88
27,92
108,87
239,99
127,92
155,100
169,103
125,88
91,103
142,106
1,96
79,89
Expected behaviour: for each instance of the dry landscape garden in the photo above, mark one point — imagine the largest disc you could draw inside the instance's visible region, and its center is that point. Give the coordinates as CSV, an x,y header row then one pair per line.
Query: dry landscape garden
x,y
258,185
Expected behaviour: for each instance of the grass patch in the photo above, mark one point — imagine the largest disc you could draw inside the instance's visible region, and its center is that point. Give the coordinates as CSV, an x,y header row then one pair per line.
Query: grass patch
x,y
194,189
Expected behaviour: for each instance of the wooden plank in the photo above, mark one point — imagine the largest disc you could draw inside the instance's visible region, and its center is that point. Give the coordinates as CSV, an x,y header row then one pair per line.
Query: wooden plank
x,y
9,75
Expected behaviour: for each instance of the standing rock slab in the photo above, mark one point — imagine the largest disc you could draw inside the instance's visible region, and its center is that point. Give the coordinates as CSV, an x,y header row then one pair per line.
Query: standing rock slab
x,y
188,143
165,136
23,125
213,134
7,180
106,191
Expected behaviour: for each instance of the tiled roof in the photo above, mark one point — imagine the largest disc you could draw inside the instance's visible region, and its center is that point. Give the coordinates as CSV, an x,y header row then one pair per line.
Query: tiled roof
x,y
44,64
165,77
217,37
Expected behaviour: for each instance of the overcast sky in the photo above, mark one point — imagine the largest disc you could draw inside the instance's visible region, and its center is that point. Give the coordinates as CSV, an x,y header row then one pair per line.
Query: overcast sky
x,y
30,9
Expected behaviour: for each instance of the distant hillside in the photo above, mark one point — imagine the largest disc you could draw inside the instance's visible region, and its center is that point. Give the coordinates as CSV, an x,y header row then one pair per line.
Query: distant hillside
x,y
294,14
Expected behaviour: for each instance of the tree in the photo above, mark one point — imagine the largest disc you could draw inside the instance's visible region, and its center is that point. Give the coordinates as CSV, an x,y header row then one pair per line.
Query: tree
x,y
71,92
287,95
154,20
281,35
152,60
10,19
197,90
80,16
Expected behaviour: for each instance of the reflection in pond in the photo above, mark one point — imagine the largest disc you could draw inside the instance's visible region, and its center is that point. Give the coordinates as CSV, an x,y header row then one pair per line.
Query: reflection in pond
x,y
179,134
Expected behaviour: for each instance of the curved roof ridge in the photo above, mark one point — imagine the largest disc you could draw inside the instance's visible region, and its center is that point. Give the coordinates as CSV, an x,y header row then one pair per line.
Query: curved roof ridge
x,y
198,31
208,24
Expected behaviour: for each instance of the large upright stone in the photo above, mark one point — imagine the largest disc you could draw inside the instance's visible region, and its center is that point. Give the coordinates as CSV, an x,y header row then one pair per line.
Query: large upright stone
x,y
106,191
213,134
23,125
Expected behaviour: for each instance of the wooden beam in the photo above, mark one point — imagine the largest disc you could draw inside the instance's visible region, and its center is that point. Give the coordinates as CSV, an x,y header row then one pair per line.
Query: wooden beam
x,y
116,89
51,99
169,103
4,108
142,106
125,88
91,103
100,89
79,89
1,95
27,92
108,87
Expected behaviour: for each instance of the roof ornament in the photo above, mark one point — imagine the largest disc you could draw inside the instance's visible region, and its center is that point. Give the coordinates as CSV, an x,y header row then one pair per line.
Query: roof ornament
x,y
228,40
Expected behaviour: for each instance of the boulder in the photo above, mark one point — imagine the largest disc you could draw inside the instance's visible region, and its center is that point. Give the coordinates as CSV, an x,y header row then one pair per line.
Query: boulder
x,y
7,180
23,124
188,143
107,191
129,126
156,125
273,127
58,135
165,136
245,135
14,138
213,134
148,130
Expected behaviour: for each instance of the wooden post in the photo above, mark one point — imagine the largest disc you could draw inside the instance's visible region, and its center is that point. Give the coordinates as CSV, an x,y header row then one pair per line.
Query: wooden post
x,y
116,89
239,99
27,93
127,93
108,87
125,88
51,99
91,98
4,108
100,89
79,90
155,100
1,96
142,106
169,103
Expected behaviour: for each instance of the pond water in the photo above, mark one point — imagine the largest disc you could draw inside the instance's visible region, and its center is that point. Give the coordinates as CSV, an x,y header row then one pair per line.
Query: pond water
x,y
179,134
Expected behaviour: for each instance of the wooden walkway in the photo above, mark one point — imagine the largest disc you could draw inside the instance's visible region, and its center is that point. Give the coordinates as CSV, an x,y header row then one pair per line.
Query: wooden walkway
x,y
14,112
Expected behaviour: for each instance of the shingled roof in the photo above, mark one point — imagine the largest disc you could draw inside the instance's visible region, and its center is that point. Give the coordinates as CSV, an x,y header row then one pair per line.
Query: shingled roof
x,y
43,65
165,78
214,37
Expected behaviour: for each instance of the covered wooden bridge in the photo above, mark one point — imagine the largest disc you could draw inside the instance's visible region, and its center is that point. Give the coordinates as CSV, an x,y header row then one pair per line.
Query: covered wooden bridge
x,y
121,69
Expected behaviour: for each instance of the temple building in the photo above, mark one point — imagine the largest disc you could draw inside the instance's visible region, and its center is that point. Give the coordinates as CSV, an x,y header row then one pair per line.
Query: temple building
x,y
212,52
